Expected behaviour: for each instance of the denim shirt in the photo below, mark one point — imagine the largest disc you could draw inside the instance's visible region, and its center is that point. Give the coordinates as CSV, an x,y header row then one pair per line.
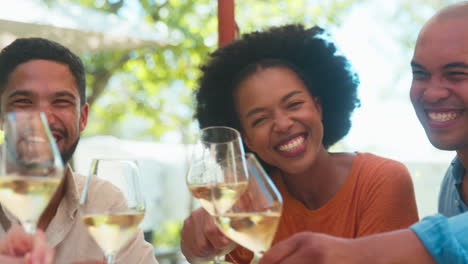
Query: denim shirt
x,y
450,202
446,239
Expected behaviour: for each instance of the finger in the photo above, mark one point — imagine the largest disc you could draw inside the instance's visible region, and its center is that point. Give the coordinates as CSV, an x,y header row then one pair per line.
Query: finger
x,y
49,256
279,252
201,225
194,240
42,252
11,260
39,247
90,262
217,239
202,246
19,242
297,259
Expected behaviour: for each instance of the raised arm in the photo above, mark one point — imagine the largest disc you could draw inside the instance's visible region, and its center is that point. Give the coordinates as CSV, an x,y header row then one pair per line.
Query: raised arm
x,y
401,246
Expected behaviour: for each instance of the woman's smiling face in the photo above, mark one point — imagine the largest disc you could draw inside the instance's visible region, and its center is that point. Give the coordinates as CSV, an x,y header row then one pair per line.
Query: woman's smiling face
x,y
281,121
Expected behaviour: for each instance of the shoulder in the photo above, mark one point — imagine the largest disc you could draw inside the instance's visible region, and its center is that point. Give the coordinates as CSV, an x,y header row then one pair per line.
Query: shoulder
x,y
376,170
378,164
102,193
95,185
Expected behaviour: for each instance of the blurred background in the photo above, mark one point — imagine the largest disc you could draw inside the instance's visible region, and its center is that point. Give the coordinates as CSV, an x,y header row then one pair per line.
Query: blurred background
x,y
142,59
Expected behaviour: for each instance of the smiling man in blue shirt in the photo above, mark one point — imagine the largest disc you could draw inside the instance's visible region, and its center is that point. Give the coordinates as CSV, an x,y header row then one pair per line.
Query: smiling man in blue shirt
x,y
439,94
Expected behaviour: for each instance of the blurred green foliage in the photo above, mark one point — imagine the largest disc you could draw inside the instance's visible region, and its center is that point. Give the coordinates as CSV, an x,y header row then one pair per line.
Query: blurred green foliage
x,y
142,94
168,234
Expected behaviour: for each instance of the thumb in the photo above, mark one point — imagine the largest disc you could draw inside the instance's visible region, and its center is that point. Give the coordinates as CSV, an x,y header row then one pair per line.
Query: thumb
x,y
280,251
90,262
11,260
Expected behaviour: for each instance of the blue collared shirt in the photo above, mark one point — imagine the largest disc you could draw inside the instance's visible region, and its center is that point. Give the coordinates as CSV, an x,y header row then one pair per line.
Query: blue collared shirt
x,y
450,202
446,239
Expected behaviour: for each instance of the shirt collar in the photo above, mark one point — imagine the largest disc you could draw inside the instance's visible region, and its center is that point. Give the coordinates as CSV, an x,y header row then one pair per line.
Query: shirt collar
x,y
72,197
457,170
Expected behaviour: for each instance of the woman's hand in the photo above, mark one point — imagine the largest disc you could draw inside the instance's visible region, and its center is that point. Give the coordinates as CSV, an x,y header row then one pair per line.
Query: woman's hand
x,y
201,239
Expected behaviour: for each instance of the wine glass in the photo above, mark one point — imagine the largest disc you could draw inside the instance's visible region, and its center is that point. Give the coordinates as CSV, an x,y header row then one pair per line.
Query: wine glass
x,y
31,167
219,155
112,228
253,219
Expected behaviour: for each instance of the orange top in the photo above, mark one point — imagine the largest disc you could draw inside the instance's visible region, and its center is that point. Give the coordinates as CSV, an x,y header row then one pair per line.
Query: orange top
x,y
377,196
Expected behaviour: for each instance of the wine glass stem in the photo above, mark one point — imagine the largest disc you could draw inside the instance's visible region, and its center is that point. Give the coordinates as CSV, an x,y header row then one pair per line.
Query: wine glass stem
x,y
29,227
219,260
110,259
256,258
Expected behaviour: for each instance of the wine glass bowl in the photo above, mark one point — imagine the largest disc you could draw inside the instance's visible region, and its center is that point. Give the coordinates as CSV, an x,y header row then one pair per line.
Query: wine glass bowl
x,y
217,175
112,228
231,179
253,219
31,166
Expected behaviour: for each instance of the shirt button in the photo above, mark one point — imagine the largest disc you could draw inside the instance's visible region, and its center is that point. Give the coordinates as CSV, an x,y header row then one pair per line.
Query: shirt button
x,y
457,203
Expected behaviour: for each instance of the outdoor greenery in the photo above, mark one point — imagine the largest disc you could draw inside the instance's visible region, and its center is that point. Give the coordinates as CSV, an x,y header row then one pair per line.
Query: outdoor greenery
x,y
144,93
168,234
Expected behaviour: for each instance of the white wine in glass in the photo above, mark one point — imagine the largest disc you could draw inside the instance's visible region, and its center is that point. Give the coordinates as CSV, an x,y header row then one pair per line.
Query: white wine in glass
x,y
31,167
218,173
252,221
113,228
225,194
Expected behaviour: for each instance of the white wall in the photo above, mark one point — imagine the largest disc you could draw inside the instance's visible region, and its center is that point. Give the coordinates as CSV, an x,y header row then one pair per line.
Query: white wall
x,y
163,168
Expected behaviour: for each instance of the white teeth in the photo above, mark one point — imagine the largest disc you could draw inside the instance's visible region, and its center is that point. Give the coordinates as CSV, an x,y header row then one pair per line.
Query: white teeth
x,y
441,117
292,144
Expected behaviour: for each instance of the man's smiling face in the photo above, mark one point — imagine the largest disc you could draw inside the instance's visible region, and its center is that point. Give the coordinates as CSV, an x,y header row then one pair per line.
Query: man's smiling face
x,y
49,87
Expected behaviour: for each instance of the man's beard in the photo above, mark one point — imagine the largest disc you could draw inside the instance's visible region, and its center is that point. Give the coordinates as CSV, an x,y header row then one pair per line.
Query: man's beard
x,y
66,156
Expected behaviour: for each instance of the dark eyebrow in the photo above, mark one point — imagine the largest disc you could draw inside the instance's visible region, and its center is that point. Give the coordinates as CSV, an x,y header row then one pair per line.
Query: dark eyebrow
x,y
65,94
261,109
19,93
254,111
289,95
456,65
416,65
29,93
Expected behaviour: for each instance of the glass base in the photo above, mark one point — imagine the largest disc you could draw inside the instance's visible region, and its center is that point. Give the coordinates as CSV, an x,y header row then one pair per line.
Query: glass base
x,y
29,227
110,259
219,260
256,258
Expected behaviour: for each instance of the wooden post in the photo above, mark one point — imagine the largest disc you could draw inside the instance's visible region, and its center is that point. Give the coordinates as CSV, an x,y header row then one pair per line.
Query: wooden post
x,y
226,22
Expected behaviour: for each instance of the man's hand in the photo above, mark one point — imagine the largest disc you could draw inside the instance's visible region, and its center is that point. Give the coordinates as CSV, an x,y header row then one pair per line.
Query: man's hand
x,y
90,262
20,247
308,247
201,238
400,246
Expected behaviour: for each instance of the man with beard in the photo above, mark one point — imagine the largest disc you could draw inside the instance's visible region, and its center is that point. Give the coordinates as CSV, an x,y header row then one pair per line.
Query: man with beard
x,y
439,93
41,75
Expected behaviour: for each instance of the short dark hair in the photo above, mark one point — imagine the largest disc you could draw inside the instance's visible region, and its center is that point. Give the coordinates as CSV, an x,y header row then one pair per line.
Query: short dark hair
x,y
308,52
26,49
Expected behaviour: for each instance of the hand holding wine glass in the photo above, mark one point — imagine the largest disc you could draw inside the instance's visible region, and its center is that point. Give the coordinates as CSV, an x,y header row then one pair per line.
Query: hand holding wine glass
x,y
219,155
252,221
17,246
114,227
31,167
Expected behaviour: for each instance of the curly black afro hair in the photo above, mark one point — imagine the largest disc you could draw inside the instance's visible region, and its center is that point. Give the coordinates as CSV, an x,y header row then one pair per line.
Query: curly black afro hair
x,y
326,74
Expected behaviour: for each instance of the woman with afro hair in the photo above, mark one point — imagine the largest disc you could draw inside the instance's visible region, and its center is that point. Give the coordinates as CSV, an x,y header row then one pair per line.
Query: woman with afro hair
x,y
291,95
